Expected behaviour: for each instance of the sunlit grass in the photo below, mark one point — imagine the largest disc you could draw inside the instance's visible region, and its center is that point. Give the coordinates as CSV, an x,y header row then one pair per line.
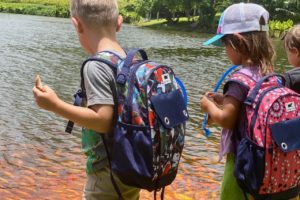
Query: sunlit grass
x,y
183,24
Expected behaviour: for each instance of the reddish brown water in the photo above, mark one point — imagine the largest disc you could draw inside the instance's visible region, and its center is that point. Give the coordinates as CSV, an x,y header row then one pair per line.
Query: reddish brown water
x,y
35,172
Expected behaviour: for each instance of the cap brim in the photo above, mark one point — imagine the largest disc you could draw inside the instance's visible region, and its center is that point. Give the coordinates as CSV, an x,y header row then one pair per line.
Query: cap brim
x,y
216,40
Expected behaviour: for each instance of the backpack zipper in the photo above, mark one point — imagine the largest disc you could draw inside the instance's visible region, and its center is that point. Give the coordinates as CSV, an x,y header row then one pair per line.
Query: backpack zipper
x,y
128,100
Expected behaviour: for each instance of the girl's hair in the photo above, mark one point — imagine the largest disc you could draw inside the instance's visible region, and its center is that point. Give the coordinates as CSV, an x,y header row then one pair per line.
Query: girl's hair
x,y
95,13
255,46
292,38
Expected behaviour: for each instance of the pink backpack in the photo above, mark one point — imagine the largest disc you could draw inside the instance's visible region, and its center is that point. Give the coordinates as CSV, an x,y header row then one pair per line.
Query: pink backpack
x,y
267,163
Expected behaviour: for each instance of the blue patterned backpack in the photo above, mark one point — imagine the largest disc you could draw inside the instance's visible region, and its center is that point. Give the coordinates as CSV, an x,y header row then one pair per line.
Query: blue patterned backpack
x,y
150,121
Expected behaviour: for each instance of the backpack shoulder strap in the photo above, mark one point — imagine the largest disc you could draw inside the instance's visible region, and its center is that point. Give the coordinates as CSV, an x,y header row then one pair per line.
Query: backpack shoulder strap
x,y
240,78
113,64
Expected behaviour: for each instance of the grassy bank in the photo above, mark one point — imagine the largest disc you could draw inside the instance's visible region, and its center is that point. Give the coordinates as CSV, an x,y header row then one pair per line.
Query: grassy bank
x,y
52,8
277,28
182,25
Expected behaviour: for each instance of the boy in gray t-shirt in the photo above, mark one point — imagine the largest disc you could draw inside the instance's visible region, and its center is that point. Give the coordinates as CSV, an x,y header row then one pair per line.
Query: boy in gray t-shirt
x,y
96,23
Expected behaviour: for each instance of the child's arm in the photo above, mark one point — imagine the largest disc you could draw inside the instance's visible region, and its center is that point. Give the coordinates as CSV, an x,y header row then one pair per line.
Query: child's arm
x,y
98,118
225,117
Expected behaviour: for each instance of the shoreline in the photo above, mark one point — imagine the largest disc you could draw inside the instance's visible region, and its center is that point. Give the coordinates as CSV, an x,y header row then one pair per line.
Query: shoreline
x,y
183,25
62,11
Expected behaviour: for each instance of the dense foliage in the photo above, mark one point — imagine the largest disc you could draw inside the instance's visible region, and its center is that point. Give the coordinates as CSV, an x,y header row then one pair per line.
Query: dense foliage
x,y
55,8
197,14
205,10
277,28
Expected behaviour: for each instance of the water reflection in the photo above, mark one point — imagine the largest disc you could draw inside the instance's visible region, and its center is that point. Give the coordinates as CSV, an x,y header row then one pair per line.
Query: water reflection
x,y
38,160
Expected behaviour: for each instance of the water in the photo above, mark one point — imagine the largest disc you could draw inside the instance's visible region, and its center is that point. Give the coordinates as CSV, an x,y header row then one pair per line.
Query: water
x,y
38,160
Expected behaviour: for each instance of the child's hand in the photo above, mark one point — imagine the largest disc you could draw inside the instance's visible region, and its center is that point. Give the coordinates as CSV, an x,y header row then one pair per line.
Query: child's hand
x,y
216,97
204,103
45,97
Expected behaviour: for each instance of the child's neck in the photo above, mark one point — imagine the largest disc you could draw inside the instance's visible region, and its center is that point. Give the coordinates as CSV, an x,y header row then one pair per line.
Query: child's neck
x,y
109,44
102,42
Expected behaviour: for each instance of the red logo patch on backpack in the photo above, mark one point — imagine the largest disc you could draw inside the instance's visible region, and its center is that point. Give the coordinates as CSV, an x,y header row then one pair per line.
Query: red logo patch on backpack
x,y
268,157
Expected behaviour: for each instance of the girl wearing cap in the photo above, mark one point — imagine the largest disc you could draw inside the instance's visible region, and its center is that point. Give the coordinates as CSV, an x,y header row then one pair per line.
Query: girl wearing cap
x,y
243,31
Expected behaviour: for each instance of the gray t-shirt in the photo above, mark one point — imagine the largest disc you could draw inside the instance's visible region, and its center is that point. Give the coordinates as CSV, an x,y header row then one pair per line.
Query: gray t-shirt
x,y
97,79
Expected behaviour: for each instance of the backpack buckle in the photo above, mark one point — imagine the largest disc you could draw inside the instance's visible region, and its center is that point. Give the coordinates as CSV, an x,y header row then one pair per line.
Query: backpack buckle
x,y
248,101
121,79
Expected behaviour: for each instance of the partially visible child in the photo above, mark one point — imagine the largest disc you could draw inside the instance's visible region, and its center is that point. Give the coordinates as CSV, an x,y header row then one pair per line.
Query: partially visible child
x,y
96,23
292,48
243,30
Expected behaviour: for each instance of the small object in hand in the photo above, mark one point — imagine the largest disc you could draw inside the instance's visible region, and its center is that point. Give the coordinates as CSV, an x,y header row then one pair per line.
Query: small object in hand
x,y
38,83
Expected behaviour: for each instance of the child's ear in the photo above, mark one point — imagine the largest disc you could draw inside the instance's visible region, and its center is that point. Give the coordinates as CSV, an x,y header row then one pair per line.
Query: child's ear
x,y
295,51
119,23
78,25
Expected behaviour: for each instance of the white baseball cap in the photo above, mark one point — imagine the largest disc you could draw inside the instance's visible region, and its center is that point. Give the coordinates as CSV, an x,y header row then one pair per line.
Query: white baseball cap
x,y
240,18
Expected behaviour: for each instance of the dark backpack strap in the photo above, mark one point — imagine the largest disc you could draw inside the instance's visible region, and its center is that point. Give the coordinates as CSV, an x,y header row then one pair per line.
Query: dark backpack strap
x,y
245,195
115,117
78,99
82,94
162,193
112,178
251,97
104,139
122,76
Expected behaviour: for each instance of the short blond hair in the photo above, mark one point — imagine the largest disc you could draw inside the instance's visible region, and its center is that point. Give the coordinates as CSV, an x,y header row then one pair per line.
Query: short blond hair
x,y
292,38
96,13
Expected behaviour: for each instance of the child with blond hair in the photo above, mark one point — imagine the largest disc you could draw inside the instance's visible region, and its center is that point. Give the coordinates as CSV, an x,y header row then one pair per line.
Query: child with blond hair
x,y
96,23
292,48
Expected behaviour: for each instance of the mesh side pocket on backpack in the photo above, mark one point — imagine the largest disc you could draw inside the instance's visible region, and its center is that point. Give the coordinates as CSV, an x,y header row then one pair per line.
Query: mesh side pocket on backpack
x,y
249,166
132,154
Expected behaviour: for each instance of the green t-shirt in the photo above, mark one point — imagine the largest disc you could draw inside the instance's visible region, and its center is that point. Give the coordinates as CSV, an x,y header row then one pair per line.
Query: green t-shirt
x,y
93,148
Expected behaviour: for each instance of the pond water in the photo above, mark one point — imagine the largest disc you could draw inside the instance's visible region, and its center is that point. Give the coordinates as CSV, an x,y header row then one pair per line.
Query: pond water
x,y
39,161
